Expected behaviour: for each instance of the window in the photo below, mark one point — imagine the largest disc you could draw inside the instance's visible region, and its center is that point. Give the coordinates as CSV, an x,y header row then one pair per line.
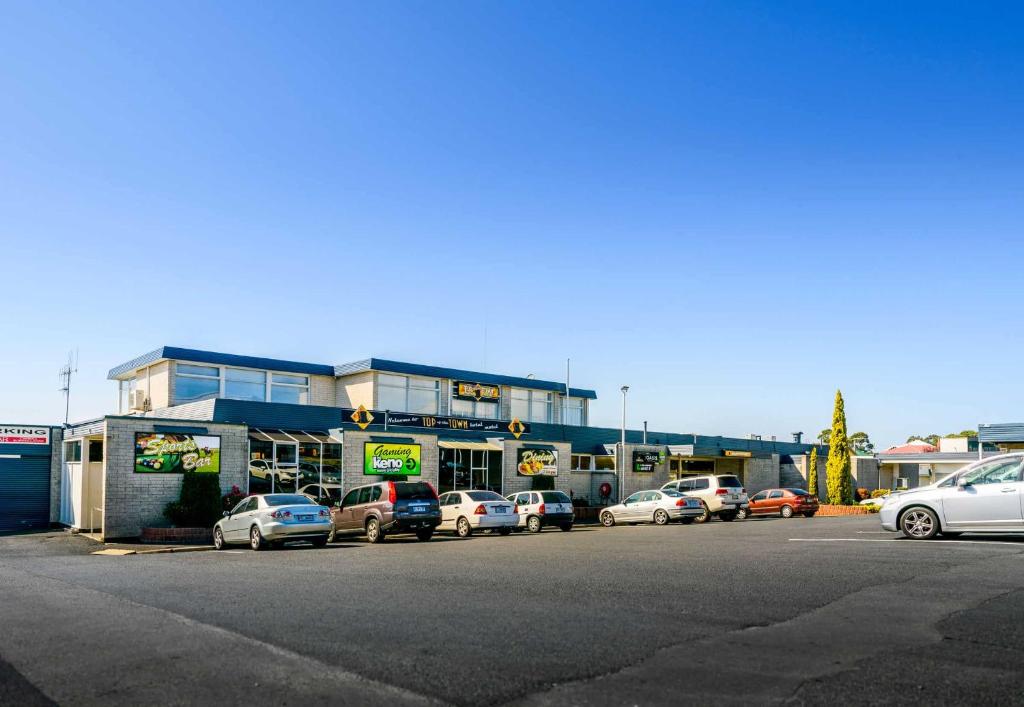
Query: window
x,y
364,495
242,384
555,497
375,494
96,451
580,462
699,484
775,494
635,498
759,496
73,451
531,405
285,388
575,410
604,462
288,499
730,482
484,496
405,394
474,408
125,390
350,498
997,472
193,383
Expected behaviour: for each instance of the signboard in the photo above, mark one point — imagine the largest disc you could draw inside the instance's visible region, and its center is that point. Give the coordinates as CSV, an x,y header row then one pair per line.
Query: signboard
x,y
437,422
24,434
391,458
644,462
475,391
737,453
537,462
157,453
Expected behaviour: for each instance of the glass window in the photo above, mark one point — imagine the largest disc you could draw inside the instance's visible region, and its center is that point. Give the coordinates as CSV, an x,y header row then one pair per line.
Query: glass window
x,y
261,465
405,394
242,384
415,491
285,388
96,450
484,496
729,482
760,496
574,411
604,462
350,498
422,401
580,462
531,405
195,382
73,451
473,408
558,497
364,495
288,499
290,379
996,472
700,484
635,498
775,494
332,463
126,388
375,494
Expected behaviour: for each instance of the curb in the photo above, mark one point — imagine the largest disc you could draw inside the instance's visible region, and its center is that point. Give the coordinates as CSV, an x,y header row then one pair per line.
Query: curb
x,y
156,551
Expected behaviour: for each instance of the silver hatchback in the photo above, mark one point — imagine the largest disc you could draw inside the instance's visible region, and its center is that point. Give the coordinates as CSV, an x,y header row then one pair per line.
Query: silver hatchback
x,y
272,519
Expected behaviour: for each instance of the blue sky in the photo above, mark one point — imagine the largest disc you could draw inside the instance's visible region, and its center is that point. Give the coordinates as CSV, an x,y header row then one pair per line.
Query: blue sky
x,y
735,208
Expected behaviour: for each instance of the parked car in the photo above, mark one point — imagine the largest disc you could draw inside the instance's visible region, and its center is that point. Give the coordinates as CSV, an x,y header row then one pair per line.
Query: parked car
x,y
265,469
659,507
388,507
467,511
272,519
537,509
986,496
783,502
722,495
327,494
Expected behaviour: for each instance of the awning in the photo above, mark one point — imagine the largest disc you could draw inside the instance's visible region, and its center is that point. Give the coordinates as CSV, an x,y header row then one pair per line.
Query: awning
x,y
680,450
464,444
300,436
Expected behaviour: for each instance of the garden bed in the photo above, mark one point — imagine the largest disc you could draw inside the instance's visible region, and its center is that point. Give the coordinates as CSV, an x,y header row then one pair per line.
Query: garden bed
x,y
176,536
826,510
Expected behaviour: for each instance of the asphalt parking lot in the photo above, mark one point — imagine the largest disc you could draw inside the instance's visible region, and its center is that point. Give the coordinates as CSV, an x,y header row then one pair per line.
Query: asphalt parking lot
x,y
804,611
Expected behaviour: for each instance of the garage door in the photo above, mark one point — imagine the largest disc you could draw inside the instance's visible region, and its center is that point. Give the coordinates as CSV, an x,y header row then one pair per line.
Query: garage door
x,y
24,481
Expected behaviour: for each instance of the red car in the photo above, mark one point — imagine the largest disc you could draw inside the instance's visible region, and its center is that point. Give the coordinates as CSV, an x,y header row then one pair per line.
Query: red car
x,y
783,502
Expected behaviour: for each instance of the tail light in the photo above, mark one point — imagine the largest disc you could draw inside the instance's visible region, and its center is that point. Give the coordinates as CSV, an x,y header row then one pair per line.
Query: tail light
x,y
432,491
281,514
722,492
516,509
541,509
481,510
681,503
392,494
324,512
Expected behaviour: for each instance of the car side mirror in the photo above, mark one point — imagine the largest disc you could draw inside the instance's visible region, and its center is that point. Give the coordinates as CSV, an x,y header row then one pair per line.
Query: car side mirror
x,y
963,482
227,514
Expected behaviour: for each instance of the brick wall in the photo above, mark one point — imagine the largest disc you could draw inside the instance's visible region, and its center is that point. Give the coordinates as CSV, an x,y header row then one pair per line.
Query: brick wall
x,y
56,469
760,474
133,501
322,391
641,481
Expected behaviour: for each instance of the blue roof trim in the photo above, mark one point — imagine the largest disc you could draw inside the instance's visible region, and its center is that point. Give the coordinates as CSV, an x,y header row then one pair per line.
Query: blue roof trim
x,y
416,369
220,359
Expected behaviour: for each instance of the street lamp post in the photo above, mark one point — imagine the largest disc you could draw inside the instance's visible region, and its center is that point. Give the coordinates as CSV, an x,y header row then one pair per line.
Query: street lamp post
x,y
622,446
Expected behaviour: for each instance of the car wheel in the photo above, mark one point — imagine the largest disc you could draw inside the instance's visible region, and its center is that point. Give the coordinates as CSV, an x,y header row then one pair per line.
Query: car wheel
x,y
566,527
705,516
742,514
607,519
505,531
686,521
320,542
462,528
533,524
919,523
256,541
809,514
218,539
424,534
373,532
786,512
727,516
660,517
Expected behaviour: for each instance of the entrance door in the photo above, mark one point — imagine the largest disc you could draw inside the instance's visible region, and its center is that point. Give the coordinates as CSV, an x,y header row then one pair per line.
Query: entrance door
x,y
286,461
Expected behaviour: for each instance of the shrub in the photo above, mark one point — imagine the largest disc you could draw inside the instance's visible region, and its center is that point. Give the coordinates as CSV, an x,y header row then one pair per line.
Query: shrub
x,y
862,493
879,493
232,498
200,504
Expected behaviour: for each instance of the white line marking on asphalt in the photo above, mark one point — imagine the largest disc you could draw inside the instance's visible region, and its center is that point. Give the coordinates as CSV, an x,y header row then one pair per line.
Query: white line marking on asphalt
x,y
908,542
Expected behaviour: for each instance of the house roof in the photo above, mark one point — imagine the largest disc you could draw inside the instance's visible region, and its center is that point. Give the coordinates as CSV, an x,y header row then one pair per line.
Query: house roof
x,y
416,369
916,447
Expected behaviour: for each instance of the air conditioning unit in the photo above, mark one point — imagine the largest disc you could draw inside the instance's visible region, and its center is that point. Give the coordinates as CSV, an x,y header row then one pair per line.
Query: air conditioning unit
x,y
902,483
138,400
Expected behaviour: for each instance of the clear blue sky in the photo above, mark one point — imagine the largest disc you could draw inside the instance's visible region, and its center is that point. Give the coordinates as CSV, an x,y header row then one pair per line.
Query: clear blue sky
x,y
735,208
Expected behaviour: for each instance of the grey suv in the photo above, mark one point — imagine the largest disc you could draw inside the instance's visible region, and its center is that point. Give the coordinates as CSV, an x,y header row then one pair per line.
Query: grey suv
x,y
378,510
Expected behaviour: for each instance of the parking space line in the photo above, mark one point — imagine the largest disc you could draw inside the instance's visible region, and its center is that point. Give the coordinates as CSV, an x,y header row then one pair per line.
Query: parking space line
x,y
1008,543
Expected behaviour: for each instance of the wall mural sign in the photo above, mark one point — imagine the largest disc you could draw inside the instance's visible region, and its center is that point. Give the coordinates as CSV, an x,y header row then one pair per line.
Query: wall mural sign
x,y
24,434
437,422
537,462
476,391
157,453
391,458
644,462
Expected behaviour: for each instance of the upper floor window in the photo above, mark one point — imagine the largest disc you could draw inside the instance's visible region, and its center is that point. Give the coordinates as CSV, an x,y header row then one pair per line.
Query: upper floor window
x,y
486,409
244,384
531,405
126,390
193,383
407,394
575,409
285,388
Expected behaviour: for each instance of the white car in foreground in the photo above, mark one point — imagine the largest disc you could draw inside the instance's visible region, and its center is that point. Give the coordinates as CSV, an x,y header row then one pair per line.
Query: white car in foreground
x,y
985,497
467,511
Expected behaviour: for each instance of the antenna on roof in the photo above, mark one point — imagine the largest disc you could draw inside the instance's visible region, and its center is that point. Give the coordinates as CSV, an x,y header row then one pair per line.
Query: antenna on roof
x,y
70,368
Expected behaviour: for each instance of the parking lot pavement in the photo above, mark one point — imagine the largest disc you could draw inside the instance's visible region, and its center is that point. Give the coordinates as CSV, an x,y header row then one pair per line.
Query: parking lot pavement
x,y
763,610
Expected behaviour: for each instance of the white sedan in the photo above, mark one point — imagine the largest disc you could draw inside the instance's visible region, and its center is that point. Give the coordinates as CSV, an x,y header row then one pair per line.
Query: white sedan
x,y
658,507
466,511
985,497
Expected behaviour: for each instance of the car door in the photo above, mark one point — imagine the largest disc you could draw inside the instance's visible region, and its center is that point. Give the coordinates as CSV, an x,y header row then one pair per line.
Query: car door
x,y
448,503
343,516
774,502
236,528
991,498
630,507
757,502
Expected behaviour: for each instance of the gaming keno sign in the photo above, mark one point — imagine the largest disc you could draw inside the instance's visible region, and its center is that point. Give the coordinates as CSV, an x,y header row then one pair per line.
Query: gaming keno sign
x,y
24,434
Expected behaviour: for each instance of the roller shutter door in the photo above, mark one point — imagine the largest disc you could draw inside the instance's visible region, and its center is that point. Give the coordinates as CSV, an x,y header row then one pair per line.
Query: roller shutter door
x,y
24,493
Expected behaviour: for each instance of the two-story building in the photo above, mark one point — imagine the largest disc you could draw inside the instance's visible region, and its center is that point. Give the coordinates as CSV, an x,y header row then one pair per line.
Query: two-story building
x,y
285,426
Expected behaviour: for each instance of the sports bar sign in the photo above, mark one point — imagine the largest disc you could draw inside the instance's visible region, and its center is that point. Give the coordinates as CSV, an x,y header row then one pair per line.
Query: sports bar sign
x,y
24,434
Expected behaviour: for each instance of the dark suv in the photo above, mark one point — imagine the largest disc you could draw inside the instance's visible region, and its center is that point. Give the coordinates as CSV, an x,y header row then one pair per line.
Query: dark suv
x,y
388,507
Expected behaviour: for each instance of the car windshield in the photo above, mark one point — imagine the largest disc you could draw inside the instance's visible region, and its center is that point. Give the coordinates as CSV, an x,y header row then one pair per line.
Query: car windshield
x,y
729,482
670,492
288,499
410,491
555,497
484,496
798,492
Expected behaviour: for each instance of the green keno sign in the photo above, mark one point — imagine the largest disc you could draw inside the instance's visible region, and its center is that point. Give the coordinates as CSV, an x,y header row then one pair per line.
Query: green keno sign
x,y
389,458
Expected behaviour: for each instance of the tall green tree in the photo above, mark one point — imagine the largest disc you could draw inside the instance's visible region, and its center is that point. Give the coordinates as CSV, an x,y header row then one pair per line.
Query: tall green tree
x,y
838,481
861,443
812,473
824,435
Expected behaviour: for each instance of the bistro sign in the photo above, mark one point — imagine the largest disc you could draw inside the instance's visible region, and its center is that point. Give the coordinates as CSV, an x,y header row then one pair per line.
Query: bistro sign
x,y
537,462
24,434
439,422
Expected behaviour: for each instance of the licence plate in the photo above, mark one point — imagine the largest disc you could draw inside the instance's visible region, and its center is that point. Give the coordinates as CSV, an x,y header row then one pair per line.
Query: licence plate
x,y
304,518
500,509
417,509
735,497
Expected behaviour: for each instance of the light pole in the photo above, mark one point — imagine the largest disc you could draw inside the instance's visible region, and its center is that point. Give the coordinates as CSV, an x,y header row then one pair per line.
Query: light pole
x,y
622,446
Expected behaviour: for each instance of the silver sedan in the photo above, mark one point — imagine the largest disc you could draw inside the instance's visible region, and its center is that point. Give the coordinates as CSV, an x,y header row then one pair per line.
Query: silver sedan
x,y
659,507
273,518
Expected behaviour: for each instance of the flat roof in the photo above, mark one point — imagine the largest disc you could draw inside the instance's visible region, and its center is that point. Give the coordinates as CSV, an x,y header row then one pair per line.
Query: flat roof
x,y
177,353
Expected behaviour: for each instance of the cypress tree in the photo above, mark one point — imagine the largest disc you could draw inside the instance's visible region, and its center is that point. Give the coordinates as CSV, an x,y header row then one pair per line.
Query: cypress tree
x,y
837,470
812,473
